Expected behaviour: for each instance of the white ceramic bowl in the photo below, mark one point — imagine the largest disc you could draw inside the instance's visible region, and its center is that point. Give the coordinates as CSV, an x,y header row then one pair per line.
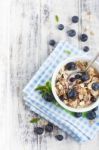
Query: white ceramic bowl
x,y
74,59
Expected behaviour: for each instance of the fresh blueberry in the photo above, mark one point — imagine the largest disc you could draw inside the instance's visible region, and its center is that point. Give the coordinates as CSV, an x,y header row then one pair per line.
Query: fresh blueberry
x,y
72,94
95,109
60,26
72,79
91,115
70,66
59,137
52,42
83,37
93,99
49,97
77,115
71,33
84,76
77,76
75,19
49,127
86,49
95,86
38,130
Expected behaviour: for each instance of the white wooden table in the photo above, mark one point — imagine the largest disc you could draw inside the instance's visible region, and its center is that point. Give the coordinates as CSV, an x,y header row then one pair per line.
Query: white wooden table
x,y
26,26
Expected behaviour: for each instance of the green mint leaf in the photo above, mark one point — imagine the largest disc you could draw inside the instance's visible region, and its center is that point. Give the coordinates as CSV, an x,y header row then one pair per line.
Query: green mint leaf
x,y
67,52
84,114
41,88
45,88
35,120
56,18
48,86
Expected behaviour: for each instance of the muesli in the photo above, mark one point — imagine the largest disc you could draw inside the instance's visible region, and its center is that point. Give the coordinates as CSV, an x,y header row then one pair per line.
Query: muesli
x,y
82,89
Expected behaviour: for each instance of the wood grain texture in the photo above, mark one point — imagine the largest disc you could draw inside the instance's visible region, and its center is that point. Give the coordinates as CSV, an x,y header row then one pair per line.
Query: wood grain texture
x,y
31,24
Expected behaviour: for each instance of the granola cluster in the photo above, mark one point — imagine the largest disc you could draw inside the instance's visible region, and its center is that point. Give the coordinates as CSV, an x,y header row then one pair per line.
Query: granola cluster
x,y
82,89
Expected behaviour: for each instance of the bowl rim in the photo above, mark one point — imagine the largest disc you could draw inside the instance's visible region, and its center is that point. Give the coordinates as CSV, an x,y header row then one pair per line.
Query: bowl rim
x,y
64,62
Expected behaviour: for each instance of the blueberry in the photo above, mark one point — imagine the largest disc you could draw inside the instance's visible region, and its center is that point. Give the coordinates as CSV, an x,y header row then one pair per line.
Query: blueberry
x,y
49,127
75,19
59,137
91,115
72,94
70,66
77,115
52,42
83,37
95,86
60,26
77,76
95,109
86,49
93,99
84,76
71,33
72,79
49,97
38,130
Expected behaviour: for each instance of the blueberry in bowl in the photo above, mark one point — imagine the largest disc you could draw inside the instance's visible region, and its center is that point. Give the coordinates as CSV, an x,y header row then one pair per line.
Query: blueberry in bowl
x,y
95,86
71,93
70,66
81,92
84,76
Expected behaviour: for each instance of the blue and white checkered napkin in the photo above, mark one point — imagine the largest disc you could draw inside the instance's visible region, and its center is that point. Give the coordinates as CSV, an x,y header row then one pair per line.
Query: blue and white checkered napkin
x,y
80,129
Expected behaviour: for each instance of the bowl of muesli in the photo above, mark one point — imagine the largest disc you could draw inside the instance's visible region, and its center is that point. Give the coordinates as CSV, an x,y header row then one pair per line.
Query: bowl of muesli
x,y
81,92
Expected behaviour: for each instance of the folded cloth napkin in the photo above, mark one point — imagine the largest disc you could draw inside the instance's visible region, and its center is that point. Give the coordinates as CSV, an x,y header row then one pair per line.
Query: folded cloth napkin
x,y
79,128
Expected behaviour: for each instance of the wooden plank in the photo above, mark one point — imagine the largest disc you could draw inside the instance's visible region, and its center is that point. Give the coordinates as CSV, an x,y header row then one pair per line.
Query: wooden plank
x,y
90,19
23,62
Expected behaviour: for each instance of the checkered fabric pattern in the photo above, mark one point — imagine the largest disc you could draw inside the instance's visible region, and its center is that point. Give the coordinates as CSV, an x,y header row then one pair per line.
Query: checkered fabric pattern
x,y
79,128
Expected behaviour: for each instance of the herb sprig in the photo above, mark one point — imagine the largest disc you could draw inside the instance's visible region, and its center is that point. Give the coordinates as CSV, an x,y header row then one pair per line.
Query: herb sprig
x,y
45,89
34,120
57,18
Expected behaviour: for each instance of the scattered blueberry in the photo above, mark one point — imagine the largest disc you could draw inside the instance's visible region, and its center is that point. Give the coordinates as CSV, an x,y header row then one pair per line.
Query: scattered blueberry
x,y
84,76
93,99
72,79
91,115
49,127
60,26
49,97
77,115
86,49
95,86
70,66
72,94
39,130
77,76
59,137
83,37
75,19
95,109
52,42
71,33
